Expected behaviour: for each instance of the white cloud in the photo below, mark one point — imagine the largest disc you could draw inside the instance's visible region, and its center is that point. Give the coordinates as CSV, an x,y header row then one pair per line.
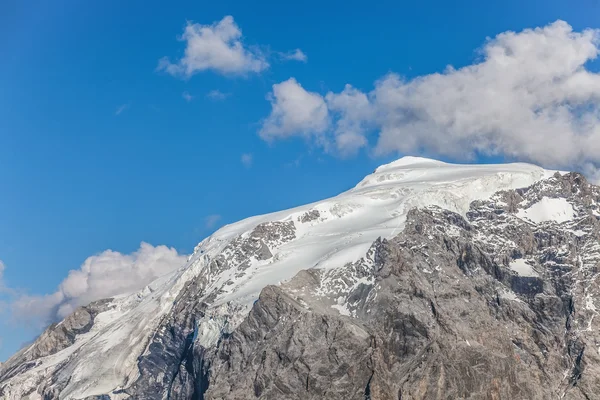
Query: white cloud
x,y
4,288
591,172
104,275
187,97
121,108
295,111
2,284
354,114
247,159
211,221
530,97
216,47
217,95
295,55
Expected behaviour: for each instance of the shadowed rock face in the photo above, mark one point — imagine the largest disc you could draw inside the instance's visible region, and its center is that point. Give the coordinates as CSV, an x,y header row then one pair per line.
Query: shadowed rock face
x,y
491,306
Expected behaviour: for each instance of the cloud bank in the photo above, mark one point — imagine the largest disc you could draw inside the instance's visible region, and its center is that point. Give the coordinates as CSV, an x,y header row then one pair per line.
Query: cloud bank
x,y
104,275
529,97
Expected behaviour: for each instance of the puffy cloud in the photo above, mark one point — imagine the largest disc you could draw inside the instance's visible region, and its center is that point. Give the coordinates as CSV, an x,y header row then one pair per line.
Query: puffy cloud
x,y
187,97
296,55
104,275
294,111
247,160
216,47
529,97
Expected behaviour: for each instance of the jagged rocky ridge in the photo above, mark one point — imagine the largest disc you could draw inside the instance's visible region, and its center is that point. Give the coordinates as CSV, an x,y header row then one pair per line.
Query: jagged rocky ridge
x,y
496,303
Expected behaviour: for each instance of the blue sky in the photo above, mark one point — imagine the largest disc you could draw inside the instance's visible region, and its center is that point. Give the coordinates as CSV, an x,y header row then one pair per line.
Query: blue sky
x,y
100,149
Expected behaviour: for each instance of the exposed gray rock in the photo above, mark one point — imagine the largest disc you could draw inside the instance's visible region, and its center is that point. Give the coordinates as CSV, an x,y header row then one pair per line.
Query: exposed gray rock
x,y
309,216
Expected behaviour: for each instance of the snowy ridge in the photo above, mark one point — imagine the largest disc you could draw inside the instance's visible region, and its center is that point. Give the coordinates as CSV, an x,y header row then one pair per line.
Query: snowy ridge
x,y
240,259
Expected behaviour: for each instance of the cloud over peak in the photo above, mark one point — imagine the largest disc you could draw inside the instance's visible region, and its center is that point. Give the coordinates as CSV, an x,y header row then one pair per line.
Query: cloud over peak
x,y
530,97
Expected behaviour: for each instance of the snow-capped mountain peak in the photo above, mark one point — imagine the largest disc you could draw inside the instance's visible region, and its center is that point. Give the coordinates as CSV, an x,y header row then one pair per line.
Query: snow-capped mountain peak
x,y
125,337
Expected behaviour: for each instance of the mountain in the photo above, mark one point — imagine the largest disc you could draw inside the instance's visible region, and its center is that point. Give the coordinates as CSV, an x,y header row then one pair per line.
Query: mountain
x,y
426,280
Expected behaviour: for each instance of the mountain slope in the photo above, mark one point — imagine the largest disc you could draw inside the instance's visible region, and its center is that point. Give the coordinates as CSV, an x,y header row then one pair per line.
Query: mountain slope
x,y
169,340
491,306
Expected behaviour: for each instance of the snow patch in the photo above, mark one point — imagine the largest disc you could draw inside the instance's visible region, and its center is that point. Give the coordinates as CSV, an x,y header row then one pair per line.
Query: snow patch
x,y
548,209
521,267
342,309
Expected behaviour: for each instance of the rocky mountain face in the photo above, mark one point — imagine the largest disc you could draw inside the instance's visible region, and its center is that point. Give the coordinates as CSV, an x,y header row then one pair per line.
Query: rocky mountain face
x,y
494,300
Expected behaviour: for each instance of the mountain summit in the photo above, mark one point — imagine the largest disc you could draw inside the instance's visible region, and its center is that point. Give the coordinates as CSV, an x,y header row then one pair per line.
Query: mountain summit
x,y
426,280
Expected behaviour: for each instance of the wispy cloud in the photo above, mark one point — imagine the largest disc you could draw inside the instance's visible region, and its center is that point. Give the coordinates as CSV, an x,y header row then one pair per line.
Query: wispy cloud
x,y
187,97
217,95
4,288
531,97
295,55
295,163
121,109
247,159
211,221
